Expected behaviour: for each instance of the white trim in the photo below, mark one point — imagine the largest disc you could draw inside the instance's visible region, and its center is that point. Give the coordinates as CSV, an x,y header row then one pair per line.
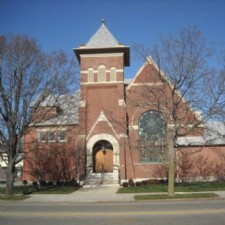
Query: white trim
x,y
105,82
137,74
101,55
148,84
96,71
102,117
82,104
134,127
121,102
103,136
81,136
122,135
152,62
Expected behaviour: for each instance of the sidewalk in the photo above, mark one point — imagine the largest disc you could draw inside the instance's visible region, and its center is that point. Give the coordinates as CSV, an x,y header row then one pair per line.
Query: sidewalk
x,y
93,194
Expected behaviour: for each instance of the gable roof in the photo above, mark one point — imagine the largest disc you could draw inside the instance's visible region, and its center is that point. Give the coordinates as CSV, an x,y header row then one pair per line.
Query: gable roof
x,y
103,38
69,110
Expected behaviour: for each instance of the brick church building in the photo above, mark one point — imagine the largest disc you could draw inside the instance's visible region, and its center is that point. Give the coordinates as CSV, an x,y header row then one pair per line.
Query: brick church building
x,y
113,129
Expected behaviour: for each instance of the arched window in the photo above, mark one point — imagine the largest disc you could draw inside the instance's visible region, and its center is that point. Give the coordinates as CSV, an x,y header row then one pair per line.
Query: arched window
x,y
101,74
113,74
152,136
90,75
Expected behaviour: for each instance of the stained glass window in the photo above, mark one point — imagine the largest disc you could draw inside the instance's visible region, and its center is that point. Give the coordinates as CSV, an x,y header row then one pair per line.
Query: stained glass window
x,y
152,135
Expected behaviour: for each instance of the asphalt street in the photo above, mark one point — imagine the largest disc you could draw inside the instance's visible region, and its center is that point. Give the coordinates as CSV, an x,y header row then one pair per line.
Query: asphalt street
x,y
174,212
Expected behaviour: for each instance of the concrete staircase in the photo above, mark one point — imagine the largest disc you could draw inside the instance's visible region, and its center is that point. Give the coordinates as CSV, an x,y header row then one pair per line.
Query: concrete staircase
x,y
101,179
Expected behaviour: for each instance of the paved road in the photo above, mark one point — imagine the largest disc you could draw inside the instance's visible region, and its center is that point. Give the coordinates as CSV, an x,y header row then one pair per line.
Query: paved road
x,y
195,212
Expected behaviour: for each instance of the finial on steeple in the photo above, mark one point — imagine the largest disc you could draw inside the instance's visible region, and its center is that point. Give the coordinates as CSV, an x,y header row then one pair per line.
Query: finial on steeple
x,y
103,21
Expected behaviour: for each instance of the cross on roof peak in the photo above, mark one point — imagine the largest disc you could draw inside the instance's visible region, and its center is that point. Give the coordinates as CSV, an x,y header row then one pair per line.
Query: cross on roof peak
x,y
103,21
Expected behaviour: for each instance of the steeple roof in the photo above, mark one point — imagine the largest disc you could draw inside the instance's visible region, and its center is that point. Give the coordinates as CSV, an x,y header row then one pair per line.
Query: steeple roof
x,y
103,38
103,42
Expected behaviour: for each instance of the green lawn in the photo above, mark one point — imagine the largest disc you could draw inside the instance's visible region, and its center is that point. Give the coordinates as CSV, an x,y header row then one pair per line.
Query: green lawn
x,y
177,196
181,187
30,189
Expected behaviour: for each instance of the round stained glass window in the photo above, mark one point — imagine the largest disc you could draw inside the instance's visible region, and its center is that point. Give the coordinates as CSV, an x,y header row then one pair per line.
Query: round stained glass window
x,y
152,126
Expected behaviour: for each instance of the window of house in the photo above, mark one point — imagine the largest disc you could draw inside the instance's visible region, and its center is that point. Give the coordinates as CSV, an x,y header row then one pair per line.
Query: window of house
x,y
101,74
62,135
90,75
51,136
41,136
152,136
113,74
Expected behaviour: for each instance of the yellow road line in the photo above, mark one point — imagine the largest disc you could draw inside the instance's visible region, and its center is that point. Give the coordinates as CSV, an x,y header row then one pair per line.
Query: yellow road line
x,y
107,214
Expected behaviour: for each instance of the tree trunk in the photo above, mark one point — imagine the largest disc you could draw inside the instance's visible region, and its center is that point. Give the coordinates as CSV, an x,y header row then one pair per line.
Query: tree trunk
x,y
9,191
171,167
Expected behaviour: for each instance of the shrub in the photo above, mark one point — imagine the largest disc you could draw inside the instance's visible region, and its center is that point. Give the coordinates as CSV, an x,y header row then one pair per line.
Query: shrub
x,y
42,182
131,182
154,181
138,183
50,183
125,184
35,183
145,182
25,182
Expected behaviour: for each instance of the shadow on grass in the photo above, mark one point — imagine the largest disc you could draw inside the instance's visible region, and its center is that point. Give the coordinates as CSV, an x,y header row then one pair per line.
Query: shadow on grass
x,y
53,189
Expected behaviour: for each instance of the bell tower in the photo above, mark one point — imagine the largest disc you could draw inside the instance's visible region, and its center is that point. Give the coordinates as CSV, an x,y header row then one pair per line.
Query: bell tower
x,y
102,103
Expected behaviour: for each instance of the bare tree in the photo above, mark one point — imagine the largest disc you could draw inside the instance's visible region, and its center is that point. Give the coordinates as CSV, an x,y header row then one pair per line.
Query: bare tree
x,y
183,85
28,76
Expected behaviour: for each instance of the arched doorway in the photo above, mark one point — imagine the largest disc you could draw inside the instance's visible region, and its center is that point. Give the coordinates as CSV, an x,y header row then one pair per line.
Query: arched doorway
x,y
103,157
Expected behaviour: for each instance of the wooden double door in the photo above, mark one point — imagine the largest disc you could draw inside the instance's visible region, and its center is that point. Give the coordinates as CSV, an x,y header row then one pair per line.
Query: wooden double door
x,y
104,161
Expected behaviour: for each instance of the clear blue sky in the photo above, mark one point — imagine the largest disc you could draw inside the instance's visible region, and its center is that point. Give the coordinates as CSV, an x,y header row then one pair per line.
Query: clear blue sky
x,y
65,24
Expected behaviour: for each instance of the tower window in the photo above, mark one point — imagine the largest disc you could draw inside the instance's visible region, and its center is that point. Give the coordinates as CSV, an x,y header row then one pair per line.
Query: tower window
x,y
113,74
101,74
90,75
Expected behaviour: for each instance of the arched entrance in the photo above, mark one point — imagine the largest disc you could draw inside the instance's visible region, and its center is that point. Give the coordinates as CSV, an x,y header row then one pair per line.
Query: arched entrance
x,y
103,157
98,143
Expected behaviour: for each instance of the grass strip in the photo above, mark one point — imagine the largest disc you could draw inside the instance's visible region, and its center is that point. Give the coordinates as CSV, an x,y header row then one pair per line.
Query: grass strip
x,y
13,197
181,187
177,196
26,190
58,190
